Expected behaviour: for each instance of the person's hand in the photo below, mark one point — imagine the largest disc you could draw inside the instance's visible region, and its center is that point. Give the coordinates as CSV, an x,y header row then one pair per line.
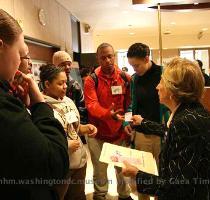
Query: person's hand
x,y
33,90
73,145
129,170
22,92
91,130
117,115
27,89
137,119
128,129
21,88
88,129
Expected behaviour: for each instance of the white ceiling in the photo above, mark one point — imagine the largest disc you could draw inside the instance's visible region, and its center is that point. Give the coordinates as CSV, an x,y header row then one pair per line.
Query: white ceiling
x,y
115,16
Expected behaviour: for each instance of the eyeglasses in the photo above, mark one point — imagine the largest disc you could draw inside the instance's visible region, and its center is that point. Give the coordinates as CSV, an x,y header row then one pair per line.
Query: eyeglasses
x,y
28,59
25,58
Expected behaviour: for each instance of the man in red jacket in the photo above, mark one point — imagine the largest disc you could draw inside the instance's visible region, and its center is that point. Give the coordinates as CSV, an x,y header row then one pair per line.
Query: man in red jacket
x,y
106,98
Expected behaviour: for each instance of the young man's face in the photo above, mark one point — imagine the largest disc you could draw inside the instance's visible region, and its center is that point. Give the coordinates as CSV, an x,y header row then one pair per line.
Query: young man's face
x,y
140,65
67,67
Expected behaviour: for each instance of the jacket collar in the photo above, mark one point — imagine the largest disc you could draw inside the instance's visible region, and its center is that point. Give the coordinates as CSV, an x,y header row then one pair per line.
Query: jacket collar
x,y
100,73
185,106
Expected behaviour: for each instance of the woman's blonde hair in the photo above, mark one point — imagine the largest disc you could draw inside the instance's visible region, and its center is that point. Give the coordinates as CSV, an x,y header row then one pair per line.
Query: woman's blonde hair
x,y
184,79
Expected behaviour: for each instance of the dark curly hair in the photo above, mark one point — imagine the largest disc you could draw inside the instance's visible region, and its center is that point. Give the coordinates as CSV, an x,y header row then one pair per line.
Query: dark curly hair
x,y
138,50
49,72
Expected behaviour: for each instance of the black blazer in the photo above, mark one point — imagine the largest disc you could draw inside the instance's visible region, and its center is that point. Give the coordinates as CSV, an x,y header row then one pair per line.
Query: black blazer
x,y
185,158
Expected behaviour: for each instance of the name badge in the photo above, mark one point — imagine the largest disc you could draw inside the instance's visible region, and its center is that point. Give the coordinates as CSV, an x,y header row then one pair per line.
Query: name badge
x,y
116,90
71,117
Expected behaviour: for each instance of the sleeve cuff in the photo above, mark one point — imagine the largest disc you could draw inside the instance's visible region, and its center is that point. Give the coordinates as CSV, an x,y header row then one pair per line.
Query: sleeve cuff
x,y
125,124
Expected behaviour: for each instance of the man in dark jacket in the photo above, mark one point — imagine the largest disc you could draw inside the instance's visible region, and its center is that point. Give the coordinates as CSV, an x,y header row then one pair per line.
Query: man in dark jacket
x,y
144,97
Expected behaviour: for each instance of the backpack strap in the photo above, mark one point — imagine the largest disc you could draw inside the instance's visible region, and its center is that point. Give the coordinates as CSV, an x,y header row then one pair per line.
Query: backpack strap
x,y
122,74
125,79
95,79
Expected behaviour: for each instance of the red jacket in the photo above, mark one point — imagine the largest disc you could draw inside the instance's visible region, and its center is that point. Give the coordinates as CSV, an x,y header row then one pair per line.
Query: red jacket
x,y
99,100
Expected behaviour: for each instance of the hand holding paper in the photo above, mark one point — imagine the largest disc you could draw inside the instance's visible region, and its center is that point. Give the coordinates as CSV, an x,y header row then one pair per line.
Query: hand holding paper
x,y
129,170
137,119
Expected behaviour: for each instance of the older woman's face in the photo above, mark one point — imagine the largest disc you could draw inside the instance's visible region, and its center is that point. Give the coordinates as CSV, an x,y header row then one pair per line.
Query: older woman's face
x,y
10,57
164,94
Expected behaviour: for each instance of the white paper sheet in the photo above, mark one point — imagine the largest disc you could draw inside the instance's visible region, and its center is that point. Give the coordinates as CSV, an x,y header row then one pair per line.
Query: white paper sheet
x,y
114,154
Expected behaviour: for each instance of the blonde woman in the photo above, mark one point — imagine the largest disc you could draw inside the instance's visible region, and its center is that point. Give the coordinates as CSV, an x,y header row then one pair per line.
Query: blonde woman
x,y
185,158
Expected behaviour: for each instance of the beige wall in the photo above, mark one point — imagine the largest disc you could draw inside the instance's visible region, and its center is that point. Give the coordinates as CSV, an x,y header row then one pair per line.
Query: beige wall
x,y
169,41
87,44
58,27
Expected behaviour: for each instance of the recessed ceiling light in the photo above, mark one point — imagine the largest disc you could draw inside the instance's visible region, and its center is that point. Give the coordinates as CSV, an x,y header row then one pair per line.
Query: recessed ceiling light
x,y
205,29
173,23
196,3
131,33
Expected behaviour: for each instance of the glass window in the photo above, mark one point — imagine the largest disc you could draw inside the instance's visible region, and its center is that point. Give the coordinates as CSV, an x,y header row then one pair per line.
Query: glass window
x,y
122,61
188,54
203,55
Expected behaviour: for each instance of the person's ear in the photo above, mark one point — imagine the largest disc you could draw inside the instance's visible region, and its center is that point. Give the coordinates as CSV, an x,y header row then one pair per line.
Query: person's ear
x,y
147,59
1,45
47,84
